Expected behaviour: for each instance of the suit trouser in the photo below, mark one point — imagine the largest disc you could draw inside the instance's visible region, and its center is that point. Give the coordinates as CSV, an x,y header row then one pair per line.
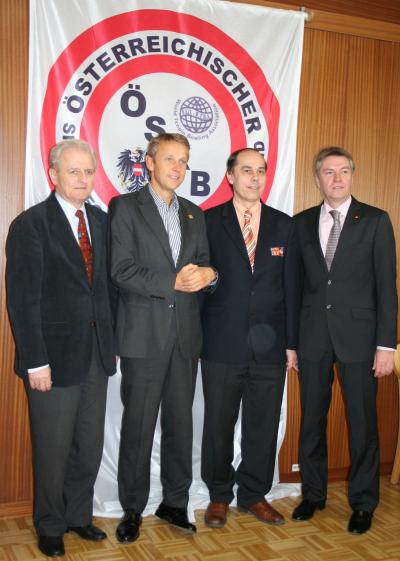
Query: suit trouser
x,y
67,428
259,387
168,380
359,388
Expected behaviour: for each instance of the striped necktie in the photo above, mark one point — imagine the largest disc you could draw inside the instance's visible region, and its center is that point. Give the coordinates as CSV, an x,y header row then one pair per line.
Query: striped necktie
x,y
248,237
333,239
85,245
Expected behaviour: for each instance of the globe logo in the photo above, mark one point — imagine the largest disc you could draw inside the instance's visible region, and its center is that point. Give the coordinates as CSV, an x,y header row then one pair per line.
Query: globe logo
x,y
196,114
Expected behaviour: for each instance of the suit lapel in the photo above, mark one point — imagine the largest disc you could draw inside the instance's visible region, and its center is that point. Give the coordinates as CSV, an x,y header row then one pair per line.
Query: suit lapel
x,y
186,239
351,222
313,234
232,226
96,240
154,221
60,230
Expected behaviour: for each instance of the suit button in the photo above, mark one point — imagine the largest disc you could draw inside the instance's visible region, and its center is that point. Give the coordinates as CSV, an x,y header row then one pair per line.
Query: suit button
x,y
170,306
328,307
92,323
329,282
252,293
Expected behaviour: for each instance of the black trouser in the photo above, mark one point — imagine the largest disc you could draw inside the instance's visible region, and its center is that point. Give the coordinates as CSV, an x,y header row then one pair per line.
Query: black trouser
x,y
359,389
67,427
259,388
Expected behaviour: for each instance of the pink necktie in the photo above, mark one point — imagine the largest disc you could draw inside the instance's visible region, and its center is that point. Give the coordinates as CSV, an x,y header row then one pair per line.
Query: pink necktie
x,y
248,237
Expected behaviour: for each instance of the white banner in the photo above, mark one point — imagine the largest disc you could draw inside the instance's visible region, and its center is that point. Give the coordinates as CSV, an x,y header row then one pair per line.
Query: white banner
x,y
117,72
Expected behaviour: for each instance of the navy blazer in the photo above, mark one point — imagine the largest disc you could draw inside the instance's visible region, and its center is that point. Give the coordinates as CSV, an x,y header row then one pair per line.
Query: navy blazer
x,y
251,315
355,303
52,308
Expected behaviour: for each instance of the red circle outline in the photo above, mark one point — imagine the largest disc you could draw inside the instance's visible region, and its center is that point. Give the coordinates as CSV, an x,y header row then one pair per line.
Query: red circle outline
x,y
122,24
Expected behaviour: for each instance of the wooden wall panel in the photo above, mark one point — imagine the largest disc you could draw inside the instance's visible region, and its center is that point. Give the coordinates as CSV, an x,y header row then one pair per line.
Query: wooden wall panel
x,y
15,454
349,96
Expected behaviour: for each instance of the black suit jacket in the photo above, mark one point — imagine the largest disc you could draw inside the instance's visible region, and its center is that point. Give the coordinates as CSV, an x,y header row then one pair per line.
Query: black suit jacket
x,y
52,308
251,314
355,303
143,269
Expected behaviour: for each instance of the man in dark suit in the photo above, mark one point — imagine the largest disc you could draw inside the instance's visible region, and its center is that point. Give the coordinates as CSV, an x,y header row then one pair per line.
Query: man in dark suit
x,y
348,316
61,315
250,327
159,260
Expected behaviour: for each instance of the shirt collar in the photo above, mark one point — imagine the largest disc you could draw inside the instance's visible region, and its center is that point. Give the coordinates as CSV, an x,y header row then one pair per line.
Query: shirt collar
x,y
255,209
160,201
343,208
68,208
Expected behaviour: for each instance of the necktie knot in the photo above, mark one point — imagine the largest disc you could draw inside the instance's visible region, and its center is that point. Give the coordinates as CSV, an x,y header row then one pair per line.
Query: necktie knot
x,y
335,215
247,216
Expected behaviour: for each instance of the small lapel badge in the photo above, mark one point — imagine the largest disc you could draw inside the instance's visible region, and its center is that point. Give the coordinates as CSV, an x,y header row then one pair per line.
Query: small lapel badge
x,y
277,251
356,217
190,216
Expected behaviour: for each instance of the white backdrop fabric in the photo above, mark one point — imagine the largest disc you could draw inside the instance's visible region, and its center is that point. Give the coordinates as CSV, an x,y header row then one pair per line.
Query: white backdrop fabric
x,y
117,72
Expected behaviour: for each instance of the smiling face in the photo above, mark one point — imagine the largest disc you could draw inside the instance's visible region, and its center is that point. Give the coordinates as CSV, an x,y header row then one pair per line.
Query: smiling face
x,y
248,177
335,179
168,168
74,177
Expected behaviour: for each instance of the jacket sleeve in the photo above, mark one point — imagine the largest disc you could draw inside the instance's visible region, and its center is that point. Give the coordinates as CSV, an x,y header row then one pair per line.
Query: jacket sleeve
x,y
126,272
24,272
384,255
293,288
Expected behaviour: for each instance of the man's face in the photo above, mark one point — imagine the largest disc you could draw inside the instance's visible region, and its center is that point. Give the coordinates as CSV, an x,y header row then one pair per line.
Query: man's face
x,y
74,178
334,180
248,177
168,167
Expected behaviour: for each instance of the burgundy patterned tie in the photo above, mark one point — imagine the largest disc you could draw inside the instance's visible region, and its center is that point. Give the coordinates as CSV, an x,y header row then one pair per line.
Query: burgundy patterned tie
x,y
248,237
84,243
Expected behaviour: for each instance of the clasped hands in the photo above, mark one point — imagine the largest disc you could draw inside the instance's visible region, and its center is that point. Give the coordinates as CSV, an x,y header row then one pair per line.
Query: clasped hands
x,y
192,278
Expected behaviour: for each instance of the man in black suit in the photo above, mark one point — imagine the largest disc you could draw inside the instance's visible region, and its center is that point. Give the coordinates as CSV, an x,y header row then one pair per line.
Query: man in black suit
x,y
159,260
59,303
348,316
250,327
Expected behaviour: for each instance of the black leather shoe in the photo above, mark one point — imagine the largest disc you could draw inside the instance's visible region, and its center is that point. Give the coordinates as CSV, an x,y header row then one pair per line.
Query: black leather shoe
x,y
52,546
176,516
88,532
360,522
305,510
128,529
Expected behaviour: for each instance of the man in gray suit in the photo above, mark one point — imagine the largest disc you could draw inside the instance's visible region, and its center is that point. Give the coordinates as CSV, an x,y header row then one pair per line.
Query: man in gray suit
x,y
159,261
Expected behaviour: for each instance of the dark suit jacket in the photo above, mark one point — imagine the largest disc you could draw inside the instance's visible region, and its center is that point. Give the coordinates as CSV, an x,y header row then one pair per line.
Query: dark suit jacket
x,y
251,314
143,269
51,305
355,304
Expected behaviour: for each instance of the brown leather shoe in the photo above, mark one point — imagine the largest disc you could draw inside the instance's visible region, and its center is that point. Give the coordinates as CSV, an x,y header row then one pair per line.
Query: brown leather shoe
x,y
264,512
215,515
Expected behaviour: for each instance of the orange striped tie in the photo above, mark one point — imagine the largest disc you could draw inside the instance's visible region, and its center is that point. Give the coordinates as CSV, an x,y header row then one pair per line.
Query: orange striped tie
x,y
248,237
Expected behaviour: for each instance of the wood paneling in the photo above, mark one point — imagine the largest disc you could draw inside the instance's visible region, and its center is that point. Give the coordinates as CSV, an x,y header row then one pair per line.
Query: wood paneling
x,y
349,96
15,454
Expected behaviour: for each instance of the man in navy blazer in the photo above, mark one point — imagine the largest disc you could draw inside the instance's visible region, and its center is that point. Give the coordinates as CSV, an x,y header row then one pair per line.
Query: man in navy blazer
x,y
60,309
348,316
250,325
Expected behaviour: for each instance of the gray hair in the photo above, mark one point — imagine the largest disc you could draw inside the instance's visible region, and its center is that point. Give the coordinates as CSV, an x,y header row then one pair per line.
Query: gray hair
x,y
331,151
165,137
77,144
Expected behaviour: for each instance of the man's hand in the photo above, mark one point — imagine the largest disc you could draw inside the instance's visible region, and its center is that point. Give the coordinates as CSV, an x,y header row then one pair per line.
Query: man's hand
x,y
291,360
192,278
41,379
383,363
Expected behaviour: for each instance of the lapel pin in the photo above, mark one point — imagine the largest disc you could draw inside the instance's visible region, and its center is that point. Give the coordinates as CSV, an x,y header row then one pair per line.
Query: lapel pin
x,y
190,216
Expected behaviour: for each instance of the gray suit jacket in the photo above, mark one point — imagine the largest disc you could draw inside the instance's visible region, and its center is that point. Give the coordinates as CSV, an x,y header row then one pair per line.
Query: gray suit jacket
x,y
143,269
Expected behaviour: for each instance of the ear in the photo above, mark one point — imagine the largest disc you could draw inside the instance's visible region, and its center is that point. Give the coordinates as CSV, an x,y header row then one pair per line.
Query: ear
x,y
149,162
229,177
316,179
53,176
